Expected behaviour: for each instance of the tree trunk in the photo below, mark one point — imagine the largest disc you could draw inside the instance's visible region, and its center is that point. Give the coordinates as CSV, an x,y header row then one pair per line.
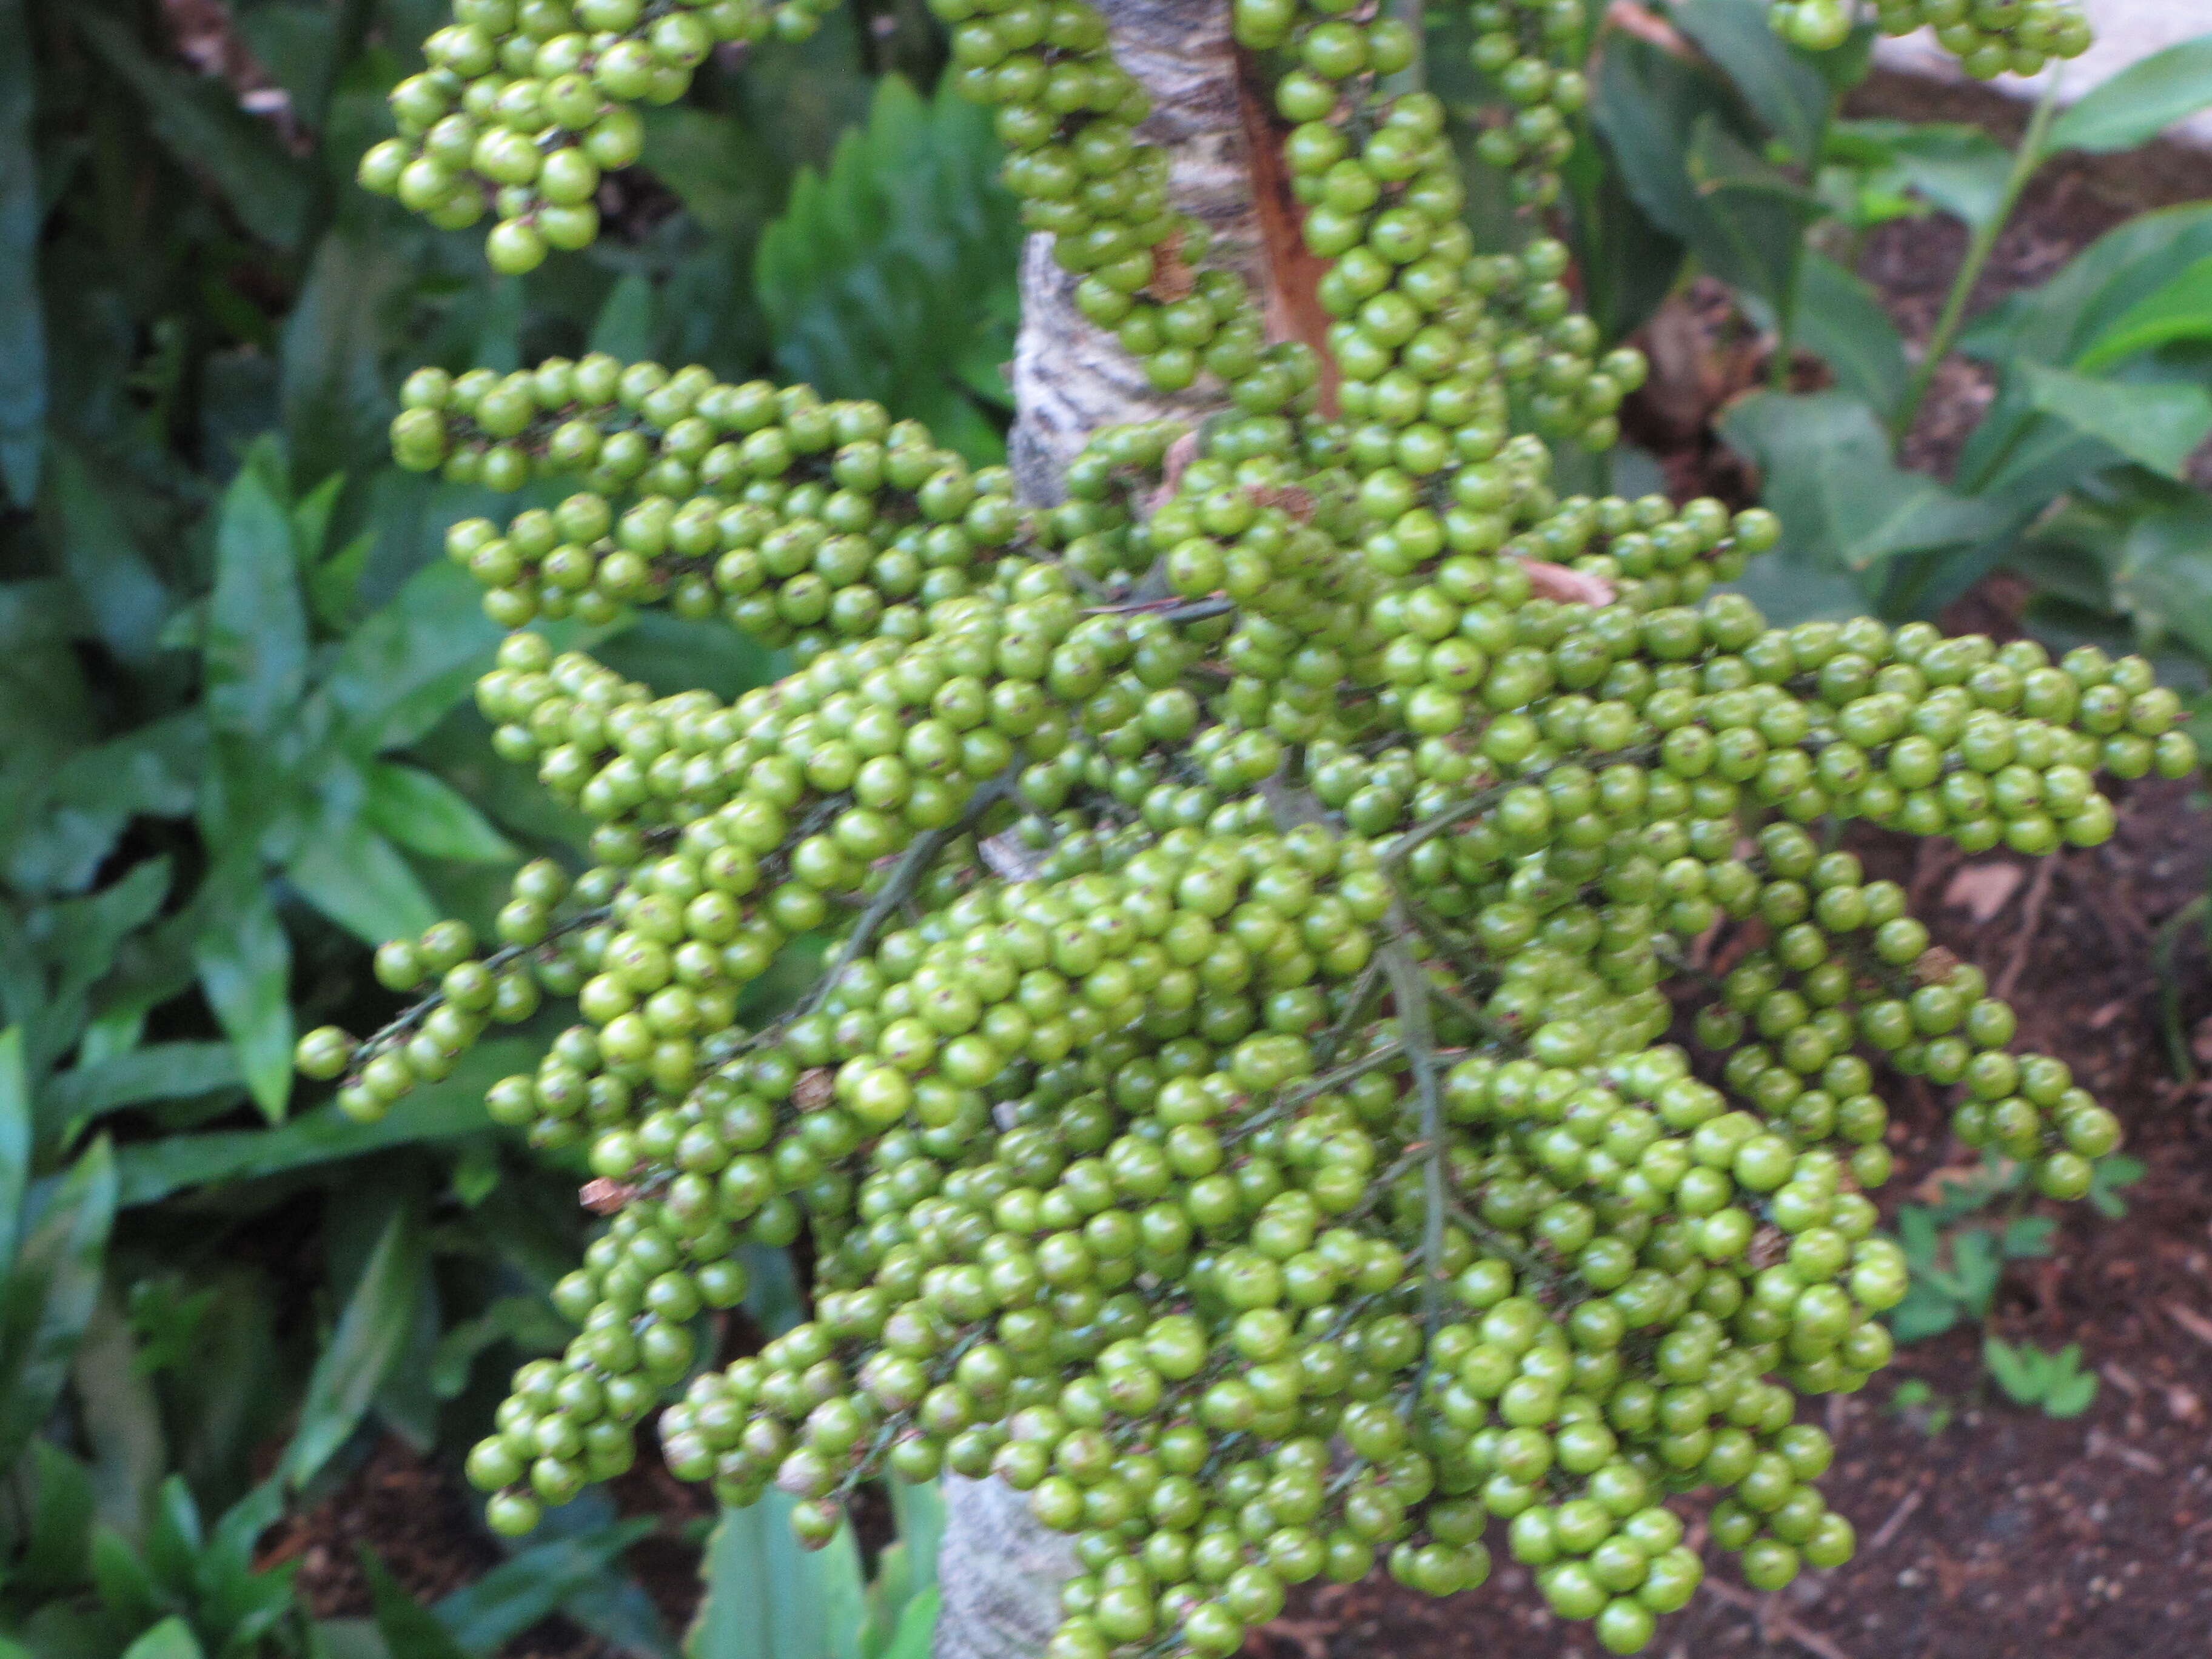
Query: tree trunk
x,y
1071,377
999,1571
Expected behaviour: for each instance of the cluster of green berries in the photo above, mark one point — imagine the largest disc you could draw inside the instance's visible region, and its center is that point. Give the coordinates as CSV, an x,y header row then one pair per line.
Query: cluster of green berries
x,y
525,105
1989,37
799,521
1251,889
1532,54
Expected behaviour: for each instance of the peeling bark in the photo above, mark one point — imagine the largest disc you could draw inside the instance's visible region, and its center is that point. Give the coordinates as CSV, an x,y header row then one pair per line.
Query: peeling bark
x,y
1000,1572
1070,377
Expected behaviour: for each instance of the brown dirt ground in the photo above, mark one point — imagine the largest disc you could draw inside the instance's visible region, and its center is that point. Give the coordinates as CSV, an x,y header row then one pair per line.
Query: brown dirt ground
x,y
2003,1534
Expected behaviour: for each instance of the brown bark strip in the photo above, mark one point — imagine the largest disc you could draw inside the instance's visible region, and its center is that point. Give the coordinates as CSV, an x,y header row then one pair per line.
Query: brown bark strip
x,y
1292,271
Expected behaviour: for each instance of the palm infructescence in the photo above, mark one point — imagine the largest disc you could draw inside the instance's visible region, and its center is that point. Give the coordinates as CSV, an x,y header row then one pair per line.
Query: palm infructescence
x,y
1249,886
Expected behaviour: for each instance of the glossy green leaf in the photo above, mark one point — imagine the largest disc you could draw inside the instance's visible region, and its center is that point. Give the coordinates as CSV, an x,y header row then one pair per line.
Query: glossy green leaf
x,y
172,1639
153,1169
878,273
427,815
517,1593
766,1598
198,118
2139,103
16,1139
50,1289
1840,318
23,323
2181,310
1828,475
255,643
245,961
359,880
2155,423
371,1334
1791,96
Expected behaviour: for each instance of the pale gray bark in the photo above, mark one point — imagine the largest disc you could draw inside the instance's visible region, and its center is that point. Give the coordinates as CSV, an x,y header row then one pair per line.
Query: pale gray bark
x,y
1000,1572
1069,377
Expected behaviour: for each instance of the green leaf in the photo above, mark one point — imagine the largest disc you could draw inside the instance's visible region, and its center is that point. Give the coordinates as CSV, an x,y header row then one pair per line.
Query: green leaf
x,y
92,797
51,1291
331,379
515,1595
722,170
1647,104
766,1598
1841,319
2027,1237
2157,424
23,324
1753,234
528,1322
2018,1370
1842,500
172,1639
2180,310
257,624
1976,1265
126,602
2141,101
425,814
916,1632
624,326
159,1071
1789,96
1958,168
371,1334
360,881
2109,1177
244,963
2061,319
407,665
2068,1389
57,1549
198,118
15,1138
150,1170
879,272
409,1628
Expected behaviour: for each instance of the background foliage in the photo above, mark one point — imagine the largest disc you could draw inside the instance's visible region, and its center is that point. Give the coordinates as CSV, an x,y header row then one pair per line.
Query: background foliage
x,y
235,750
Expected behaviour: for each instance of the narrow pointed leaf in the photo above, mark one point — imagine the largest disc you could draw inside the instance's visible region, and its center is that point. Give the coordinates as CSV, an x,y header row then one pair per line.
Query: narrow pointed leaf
x,y
371,1334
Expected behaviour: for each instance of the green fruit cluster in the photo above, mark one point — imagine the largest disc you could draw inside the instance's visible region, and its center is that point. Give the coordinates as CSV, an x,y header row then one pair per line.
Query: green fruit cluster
x,y
1235,1108
1989,37
525,105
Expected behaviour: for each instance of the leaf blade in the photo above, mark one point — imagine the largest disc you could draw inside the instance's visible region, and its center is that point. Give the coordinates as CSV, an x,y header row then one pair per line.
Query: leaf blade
x,y
371,1334
2141,101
